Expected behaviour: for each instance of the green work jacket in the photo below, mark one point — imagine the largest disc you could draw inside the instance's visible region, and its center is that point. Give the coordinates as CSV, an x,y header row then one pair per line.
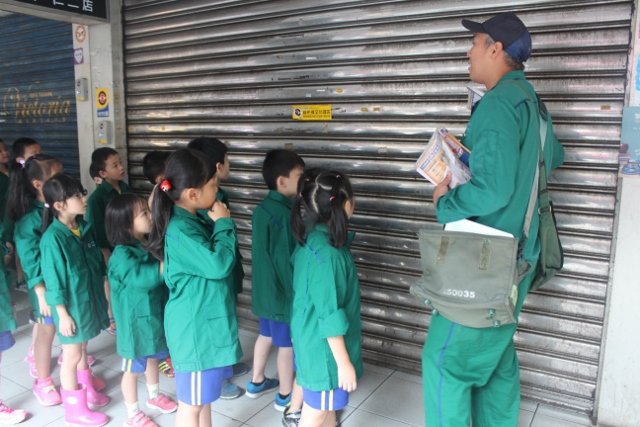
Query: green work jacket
x,y
237,275
97,206
138,297
27,235
73,270
503,135
326,303
7,320
272,244
200,316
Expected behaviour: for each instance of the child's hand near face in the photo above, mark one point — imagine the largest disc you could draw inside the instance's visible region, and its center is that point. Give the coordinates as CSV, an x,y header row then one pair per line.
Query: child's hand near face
x,y
219,210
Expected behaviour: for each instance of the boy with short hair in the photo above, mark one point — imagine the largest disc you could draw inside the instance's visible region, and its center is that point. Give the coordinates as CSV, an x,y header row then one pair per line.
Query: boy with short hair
x,y
106,161
272,274
95,174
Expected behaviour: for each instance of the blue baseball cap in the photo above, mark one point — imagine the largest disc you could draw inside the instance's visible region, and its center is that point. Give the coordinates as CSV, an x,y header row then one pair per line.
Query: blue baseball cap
x,y
508,29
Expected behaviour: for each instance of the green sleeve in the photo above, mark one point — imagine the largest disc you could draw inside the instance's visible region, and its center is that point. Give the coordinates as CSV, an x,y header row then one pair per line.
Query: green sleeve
x,y
54,271
95,215
27,240
323,291
211,258
557,151
493,164
126,267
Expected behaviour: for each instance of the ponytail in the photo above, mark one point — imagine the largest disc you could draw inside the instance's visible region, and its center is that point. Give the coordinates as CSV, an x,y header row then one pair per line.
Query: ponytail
x,y
21,189
320,200
185,169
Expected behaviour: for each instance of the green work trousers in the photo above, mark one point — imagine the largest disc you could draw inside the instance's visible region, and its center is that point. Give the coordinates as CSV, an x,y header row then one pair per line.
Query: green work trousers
x,y
470,374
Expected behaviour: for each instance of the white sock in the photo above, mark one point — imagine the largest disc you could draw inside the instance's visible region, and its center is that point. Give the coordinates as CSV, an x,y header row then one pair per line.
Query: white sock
x,y
132,409
153,390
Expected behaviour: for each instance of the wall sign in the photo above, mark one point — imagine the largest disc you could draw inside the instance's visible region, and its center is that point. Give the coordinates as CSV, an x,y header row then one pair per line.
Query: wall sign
x,y
91,8
102,102
311,112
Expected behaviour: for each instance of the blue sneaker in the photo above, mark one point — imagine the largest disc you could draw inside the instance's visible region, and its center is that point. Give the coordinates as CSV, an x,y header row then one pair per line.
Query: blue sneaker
x,y
280,403
255,391
230,390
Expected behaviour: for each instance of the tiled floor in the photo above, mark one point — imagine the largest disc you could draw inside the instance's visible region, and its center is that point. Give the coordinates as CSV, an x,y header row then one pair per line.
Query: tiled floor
x,y
385,398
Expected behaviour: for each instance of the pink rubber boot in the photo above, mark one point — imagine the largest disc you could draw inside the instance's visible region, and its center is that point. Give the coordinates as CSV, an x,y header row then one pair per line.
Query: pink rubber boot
x,y
76,411
94,398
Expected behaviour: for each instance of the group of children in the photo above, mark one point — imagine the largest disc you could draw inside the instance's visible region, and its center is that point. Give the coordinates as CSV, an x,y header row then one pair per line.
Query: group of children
x,y
167,272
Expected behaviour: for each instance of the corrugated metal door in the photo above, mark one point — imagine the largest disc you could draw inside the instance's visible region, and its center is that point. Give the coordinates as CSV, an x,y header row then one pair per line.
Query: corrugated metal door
x,y
37,86
393,71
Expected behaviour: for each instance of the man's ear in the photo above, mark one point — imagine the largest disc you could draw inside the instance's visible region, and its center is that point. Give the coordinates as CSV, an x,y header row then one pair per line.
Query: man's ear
x,y
497,49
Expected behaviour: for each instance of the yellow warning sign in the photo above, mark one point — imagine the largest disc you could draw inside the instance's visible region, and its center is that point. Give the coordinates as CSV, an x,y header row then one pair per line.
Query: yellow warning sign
x,y
102,102
311,112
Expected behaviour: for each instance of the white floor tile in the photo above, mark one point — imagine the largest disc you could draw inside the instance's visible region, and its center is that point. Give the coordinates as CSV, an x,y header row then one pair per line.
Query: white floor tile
x,y
9,389
404,376
368,384
102,345
267,417
38,415
525,418
398,400
243,408
18,352
378,369
540,420
361,418
562,414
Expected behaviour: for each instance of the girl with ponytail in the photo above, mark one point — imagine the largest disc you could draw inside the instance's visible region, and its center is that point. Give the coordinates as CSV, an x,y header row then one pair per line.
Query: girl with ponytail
x,y
200,317
325,323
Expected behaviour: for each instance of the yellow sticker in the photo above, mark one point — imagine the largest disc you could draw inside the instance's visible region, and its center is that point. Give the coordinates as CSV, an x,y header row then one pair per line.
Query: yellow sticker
x,y
311,112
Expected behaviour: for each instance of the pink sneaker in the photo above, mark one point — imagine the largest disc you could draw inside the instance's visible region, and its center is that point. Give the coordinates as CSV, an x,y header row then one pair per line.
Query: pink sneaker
x,y
30,358
33,371
11,416
46,393
163,404
139,420
90,359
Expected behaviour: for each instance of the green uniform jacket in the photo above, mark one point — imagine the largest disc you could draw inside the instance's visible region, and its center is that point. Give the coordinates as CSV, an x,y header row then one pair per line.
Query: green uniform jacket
x,y
27,235
7,320
200,316
272,244
503,135
138,296
96,207
237,274
326,303
73,269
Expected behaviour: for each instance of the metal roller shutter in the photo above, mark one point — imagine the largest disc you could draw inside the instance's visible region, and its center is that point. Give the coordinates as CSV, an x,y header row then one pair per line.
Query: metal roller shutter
x,y
37,86
393,71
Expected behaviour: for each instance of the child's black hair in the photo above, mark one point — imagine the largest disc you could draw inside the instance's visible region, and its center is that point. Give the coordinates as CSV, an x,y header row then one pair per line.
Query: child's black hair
x,y
99,158
21,189
119,216
20,146
322,193
94,172
58,188
212,147
185,169
279,163
153,165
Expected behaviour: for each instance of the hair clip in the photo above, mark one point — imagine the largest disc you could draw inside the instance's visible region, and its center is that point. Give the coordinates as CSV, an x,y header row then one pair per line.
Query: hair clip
x,y
46,205
338,176
22,162
165,185
331,198
300,194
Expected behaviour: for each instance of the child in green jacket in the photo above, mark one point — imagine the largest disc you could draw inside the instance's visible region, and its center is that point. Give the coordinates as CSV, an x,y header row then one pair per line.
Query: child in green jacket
x,y
271,275
73,270
138,296
200,316
25,207
325,325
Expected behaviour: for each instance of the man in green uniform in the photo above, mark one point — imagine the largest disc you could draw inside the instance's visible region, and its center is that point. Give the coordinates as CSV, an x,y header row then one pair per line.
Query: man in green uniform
x,y
472,375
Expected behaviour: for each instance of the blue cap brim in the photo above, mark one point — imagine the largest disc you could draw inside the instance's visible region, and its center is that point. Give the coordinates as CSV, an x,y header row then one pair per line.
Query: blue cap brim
x,y
474,27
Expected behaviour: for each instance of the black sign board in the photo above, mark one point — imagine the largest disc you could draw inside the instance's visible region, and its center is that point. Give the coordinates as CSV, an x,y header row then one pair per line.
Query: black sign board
x,y
92,8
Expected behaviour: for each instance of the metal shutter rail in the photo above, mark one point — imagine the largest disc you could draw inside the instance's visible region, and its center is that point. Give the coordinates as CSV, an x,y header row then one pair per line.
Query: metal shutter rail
x,y
393,71
37,86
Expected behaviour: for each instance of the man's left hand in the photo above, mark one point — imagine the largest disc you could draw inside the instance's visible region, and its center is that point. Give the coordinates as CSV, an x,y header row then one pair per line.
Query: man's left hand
x,y
441,189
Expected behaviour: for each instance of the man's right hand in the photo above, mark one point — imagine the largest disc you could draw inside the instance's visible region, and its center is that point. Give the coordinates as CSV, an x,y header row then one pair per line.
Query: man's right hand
x,y
441,189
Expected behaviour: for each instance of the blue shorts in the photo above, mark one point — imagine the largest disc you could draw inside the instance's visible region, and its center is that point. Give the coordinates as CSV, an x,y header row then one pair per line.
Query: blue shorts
x,y
139,364
42,320
203,387
6,341
279,332
332,400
